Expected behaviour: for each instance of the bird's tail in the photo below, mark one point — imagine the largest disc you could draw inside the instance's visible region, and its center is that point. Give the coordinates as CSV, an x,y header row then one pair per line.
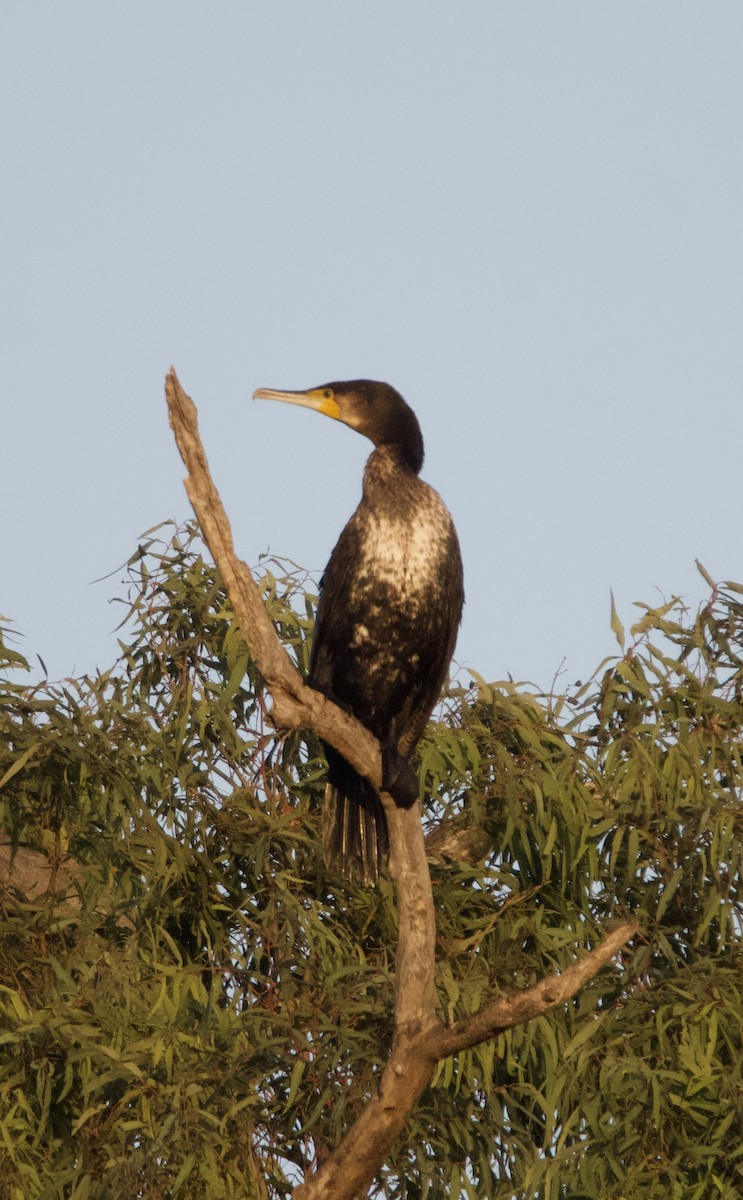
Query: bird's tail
x,y
354,824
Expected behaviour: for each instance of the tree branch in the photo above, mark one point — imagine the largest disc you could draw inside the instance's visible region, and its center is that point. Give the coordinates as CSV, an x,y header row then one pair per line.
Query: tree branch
x,y
296,706
519,1007
419,1038
355,1162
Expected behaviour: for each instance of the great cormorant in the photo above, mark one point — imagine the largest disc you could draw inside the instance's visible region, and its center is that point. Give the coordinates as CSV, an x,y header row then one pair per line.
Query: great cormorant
x,y
390,604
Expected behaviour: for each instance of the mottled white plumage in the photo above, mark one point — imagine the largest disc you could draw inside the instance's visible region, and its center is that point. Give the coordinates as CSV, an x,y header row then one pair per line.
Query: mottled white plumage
x,y
400,546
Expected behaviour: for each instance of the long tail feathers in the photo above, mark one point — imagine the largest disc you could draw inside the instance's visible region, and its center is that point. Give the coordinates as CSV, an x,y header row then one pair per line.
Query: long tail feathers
x,y
354,825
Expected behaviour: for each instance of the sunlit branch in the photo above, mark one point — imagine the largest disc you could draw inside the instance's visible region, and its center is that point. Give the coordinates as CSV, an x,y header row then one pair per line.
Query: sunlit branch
x,y
419,1038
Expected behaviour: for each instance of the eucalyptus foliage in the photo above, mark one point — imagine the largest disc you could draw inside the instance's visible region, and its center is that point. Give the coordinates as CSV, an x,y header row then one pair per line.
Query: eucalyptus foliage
x,y
215,1010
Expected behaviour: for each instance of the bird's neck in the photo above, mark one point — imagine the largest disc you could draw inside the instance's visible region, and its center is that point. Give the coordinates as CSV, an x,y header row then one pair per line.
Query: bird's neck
x,y
403,455
390,481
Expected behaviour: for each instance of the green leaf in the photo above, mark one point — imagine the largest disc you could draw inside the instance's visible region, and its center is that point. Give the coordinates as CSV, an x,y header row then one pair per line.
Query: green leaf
x,y
705,574
19,764
616,625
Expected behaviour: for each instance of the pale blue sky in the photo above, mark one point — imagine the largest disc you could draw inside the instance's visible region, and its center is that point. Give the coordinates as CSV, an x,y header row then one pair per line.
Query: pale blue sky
x,y
527,217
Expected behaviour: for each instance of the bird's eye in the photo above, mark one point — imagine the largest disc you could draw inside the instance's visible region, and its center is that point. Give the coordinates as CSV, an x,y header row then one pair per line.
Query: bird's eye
x,y
328,394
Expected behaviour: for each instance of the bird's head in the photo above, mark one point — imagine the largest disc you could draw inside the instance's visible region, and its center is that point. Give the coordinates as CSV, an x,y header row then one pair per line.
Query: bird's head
x,y
374,409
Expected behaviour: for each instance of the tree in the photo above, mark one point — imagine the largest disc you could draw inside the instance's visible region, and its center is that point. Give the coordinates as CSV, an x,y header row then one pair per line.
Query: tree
x,y
190,1004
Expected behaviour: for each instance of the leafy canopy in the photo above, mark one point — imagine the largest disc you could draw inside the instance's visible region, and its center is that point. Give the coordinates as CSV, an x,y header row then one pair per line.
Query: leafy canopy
x,y
210,1008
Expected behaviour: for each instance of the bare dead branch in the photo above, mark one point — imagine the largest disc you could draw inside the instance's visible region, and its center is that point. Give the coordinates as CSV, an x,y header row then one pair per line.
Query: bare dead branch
x,y
296,706
419,1038
351,1167
519,1007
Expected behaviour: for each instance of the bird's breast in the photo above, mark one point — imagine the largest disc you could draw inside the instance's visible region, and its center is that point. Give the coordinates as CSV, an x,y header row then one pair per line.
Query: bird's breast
x,y
403,554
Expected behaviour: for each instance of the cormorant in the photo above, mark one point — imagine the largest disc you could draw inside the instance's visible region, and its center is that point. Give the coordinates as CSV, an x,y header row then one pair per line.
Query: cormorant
x,y
390,604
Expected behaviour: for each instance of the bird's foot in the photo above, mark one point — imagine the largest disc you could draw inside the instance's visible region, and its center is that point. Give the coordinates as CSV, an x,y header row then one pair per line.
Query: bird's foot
x,y
398,777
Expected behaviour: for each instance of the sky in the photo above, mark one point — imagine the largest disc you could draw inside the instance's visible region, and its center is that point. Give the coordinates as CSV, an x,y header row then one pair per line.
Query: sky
x,y
526,217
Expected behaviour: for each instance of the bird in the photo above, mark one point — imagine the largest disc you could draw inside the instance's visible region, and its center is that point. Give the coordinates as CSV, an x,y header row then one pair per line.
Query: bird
x,y
390,605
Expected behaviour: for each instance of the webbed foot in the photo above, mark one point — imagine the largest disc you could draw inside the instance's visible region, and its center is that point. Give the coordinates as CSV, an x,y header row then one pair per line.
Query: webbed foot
x,y
398,777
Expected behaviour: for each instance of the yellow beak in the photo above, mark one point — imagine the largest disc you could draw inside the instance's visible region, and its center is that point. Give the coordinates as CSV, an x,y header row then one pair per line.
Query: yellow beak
x,y
321,400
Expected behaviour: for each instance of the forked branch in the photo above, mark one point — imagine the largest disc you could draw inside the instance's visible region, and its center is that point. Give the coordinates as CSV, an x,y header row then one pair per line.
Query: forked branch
x,y
420,1040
